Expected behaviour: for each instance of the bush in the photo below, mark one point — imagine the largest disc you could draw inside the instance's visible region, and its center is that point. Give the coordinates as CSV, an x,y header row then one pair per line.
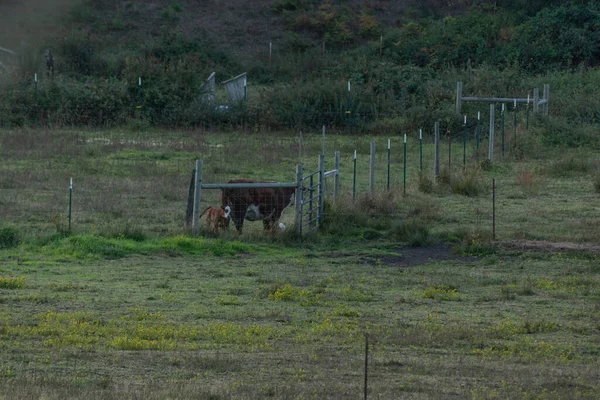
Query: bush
x,y
596,182
9,237
412,231
468,183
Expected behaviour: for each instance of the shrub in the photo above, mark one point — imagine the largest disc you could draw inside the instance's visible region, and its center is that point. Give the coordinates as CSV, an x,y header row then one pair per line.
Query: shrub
x,y
596,182
477,244
468,182
412,231
528,180
9,237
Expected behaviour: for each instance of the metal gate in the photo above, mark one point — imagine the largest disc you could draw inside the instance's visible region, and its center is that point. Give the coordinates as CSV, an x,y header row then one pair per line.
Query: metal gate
x,y
312,202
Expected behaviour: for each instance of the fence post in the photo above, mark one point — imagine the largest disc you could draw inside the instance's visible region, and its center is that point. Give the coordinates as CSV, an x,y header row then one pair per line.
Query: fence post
x,y
298,197
502,126
420,149
459,90
547,98
70,201
35,79
300,147
336,178
404,186
321,191
354,178
527,114
436,163
310,201
478,134
197,190
366,386
536,100
465,144
494,209
372,169
515,123
388,164
492,127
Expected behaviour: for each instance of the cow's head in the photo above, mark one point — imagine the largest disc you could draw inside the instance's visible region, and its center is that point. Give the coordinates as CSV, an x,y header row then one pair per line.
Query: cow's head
x,y
253,213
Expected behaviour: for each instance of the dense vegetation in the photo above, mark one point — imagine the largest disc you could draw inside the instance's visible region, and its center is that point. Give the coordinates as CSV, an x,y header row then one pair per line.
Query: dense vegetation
x,y
405,81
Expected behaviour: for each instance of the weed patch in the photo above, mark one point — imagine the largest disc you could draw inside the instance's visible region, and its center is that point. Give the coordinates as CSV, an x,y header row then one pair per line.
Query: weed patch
x,y
443,293
12,283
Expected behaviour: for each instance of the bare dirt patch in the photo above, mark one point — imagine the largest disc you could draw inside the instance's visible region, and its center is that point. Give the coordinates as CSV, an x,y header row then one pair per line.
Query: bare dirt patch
x,y
413,256
542,245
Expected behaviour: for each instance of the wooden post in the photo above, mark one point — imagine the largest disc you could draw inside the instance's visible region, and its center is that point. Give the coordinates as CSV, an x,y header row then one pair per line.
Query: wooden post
x,y
492,126
298,197
372,170
321,191
189,212
459,91
336,179
547,98
536,100
436,162
197,190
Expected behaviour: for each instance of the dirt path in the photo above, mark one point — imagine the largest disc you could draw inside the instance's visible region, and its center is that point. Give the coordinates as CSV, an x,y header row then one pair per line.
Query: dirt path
x,y
413,256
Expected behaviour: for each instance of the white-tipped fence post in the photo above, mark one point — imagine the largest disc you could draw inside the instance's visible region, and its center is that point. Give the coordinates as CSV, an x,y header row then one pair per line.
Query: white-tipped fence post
x,y
372,170
197,191
536,100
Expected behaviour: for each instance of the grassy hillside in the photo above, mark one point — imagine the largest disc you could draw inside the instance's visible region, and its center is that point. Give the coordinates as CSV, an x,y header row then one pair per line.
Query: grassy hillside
x,y
403,62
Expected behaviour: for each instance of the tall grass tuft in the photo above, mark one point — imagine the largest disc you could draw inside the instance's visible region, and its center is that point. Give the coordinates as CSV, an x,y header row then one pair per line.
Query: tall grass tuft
x,y
9,237
596,182
413,231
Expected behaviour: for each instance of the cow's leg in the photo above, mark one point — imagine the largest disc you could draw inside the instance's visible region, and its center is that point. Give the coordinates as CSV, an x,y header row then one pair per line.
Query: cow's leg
x,y
239,223
266,224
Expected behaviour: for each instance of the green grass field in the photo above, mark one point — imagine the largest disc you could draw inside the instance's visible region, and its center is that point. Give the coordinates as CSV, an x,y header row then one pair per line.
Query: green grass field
x,y
129,306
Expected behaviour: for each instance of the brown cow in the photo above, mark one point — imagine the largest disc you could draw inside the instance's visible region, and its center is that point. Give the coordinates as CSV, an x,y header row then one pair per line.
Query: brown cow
x,y
270,203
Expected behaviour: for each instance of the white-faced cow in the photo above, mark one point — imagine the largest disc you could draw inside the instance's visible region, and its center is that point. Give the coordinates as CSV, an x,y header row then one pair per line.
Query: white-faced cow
x,y
256,203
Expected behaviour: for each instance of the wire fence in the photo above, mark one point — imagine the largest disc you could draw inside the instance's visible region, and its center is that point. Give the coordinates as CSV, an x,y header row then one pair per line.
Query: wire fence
x,y
123,177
